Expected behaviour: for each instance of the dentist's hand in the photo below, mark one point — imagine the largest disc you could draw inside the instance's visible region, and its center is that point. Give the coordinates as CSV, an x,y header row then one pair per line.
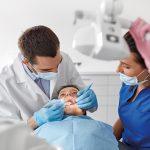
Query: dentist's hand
x,y
52,111
87,99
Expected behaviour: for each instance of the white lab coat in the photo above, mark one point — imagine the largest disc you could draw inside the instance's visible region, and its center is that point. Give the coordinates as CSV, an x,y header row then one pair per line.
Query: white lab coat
x,y
16,135
20,96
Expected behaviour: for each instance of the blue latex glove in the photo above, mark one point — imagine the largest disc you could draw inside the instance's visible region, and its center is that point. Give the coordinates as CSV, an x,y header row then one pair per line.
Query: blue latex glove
x,y
52,111
87,99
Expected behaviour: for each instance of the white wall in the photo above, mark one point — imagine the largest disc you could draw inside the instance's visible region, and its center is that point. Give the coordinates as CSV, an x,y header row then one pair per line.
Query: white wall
x,y
17,15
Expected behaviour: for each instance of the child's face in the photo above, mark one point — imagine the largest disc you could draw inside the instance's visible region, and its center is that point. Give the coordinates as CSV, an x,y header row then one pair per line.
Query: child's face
x,y
69,95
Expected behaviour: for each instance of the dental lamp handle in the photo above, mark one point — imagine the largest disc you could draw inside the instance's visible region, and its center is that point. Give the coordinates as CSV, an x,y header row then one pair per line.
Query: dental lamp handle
x,y
125,23
84,15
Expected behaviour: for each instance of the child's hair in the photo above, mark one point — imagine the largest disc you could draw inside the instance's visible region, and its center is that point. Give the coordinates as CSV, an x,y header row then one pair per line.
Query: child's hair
x,y
66,87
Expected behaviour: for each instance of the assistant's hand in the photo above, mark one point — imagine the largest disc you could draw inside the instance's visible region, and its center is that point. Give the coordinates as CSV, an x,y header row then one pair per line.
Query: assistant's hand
x,y
87,99
52,111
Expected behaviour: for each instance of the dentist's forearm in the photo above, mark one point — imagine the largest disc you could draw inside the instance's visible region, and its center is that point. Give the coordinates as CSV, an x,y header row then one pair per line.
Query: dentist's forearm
x,y
32,123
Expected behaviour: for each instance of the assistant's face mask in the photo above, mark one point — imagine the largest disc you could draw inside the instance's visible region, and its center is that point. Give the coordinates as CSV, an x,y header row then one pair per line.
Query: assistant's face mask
x,y
131,80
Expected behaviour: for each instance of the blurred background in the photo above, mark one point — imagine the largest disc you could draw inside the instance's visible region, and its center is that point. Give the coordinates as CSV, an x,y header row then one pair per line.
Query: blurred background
x,y
18,15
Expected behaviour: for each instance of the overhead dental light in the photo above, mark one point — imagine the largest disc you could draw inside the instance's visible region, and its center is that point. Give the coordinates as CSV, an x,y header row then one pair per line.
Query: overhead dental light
x,y
102,39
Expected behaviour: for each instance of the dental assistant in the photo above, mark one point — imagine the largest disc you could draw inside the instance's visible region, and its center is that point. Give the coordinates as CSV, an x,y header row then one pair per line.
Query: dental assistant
x,y
34,78
133,125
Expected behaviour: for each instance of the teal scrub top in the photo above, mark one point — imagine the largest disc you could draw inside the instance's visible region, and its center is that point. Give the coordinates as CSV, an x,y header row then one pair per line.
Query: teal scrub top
x,y
135,117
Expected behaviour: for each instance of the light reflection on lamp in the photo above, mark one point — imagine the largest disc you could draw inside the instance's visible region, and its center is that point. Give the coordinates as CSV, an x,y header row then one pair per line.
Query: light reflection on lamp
x,y
85,40
102,39
92,42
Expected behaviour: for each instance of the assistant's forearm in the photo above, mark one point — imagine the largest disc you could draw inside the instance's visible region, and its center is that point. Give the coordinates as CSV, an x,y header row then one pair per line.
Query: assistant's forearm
x,y
118,129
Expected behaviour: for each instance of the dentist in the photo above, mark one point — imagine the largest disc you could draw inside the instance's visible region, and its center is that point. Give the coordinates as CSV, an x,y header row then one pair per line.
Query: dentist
x,y
34,78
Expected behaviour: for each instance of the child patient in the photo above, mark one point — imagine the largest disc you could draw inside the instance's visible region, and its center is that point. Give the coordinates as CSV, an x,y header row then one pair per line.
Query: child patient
x,y
69,95
77,131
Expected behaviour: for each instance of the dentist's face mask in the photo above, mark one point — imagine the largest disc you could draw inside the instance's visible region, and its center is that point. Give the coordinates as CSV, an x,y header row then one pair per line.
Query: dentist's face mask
x,y
47,67
46,75
132,80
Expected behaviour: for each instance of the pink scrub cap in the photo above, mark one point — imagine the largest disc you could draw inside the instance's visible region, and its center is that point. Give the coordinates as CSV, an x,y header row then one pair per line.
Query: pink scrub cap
x,y
139,29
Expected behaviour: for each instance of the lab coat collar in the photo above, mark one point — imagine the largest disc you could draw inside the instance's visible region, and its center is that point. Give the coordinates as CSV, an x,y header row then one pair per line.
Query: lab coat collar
x,y
32,76
19,71
22,77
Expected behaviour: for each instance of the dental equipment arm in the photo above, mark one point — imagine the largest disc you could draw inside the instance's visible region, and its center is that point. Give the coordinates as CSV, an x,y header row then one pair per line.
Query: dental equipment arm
x,y
107,42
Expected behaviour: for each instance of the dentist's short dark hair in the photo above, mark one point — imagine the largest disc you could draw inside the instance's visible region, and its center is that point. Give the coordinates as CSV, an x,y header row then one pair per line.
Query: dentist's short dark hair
x,y
38,41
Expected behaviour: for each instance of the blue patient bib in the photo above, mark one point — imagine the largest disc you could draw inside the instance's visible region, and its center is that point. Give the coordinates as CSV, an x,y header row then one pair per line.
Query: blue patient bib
x,y
79,133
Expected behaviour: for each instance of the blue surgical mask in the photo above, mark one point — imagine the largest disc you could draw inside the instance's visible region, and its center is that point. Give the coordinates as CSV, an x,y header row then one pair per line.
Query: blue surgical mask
x,y
46,75
128,80
131,80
